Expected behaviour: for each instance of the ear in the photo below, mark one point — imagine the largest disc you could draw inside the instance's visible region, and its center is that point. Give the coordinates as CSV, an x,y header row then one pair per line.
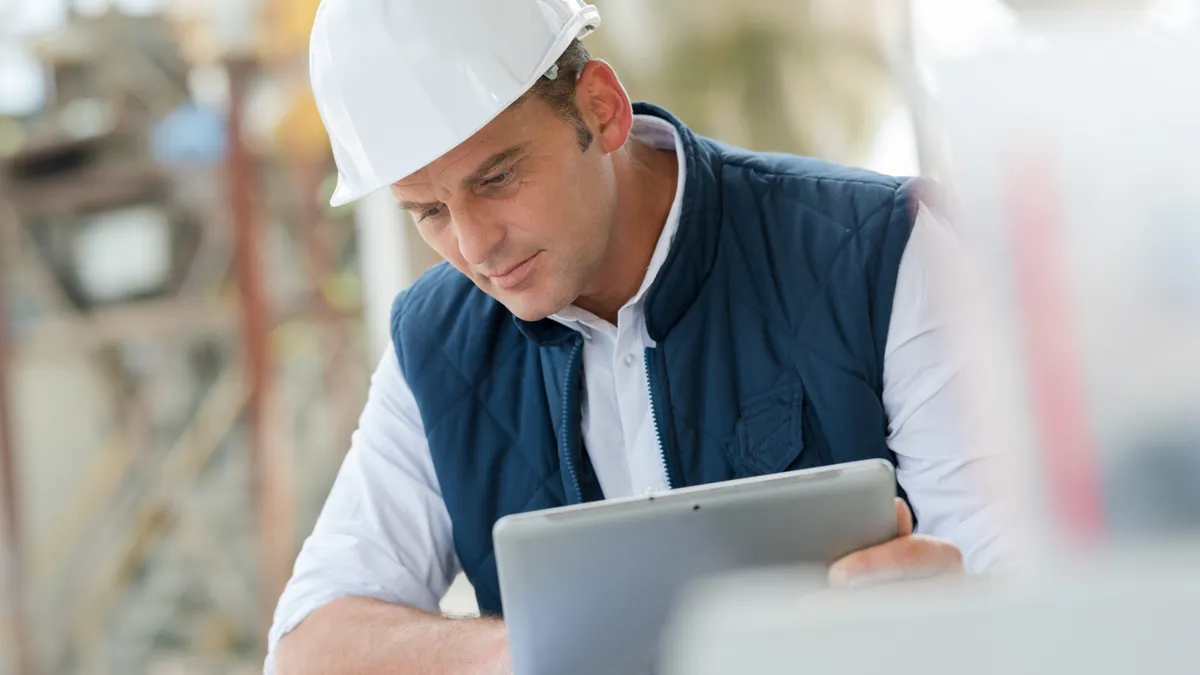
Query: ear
x,y
605,105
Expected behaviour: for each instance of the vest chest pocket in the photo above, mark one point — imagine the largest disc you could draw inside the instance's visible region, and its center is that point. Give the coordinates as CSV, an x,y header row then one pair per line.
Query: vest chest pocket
x,y
769,432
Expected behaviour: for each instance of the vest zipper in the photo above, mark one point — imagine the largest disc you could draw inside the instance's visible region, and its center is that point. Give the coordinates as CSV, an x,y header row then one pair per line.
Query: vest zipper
x,y
571,405
653,384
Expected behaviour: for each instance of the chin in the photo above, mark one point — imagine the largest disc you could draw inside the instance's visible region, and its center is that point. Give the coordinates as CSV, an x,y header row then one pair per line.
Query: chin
x,y
531,306
529,311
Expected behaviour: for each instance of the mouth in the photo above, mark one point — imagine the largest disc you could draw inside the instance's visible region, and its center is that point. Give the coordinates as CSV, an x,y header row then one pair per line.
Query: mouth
x,y
513,276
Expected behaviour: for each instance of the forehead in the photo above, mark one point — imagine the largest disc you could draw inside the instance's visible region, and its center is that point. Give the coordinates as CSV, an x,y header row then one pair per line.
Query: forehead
x,y
518,125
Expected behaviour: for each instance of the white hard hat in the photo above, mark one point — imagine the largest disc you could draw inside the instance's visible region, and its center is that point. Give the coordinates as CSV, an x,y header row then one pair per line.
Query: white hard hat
x,y
400,83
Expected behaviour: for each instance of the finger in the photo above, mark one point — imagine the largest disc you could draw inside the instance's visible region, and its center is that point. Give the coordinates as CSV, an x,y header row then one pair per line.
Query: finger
x,y
904,558
904,519
849,567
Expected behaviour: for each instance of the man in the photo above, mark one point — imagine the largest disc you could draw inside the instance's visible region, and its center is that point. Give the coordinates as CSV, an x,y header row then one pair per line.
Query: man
x,y
626,307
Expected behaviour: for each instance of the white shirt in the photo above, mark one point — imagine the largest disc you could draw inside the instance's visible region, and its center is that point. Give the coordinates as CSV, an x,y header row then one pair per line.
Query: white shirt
x,y
385,532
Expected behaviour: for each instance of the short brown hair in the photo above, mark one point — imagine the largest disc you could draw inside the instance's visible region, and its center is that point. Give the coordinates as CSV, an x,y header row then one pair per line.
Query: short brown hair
x,y
559,93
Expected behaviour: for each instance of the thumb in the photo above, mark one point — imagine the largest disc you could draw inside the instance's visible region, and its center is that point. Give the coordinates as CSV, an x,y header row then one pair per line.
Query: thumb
x,y
904,521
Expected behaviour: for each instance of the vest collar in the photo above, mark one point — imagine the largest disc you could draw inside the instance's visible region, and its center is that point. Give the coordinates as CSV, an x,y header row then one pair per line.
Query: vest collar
x,y
695,247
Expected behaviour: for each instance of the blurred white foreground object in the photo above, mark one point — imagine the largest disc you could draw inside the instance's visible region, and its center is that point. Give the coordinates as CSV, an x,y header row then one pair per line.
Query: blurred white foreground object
x,y
1128,617
1073,149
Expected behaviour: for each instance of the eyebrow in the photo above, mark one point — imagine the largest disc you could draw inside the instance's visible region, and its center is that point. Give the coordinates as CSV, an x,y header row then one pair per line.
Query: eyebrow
x,y
418,206
477,176
413,206
492,162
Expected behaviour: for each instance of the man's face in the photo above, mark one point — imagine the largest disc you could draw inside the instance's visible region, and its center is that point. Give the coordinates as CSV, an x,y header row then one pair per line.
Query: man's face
x,y
519,208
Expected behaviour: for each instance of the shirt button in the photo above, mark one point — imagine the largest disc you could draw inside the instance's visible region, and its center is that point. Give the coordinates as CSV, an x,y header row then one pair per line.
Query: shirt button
x,y
629,359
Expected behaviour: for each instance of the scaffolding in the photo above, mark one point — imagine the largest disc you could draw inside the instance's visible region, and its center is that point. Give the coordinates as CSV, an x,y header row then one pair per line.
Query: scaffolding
x,y
230,387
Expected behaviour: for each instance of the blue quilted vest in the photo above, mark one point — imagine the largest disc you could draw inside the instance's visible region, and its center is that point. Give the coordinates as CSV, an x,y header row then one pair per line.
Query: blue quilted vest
x,y
770,317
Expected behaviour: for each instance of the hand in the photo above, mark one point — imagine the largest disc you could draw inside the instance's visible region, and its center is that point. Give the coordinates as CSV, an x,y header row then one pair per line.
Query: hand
x,y
908,556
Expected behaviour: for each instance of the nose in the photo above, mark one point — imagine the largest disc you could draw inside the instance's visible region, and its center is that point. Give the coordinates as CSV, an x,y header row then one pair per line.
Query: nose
x,y
479,233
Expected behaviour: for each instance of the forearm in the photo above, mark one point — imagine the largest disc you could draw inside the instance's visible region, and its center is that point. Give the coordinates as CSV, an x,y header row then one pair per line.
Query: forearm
x,y
370,637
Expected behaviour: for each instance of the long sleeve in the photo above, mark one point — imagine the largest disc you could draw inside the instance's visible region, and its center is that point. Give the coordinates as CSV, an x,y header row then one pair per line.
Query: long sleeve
x,y
949,482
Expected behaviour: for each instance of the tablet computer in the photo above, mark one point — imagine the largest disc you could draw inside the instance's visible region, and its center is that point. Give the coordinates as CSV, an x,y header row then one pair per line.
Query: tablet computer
x,y
588,588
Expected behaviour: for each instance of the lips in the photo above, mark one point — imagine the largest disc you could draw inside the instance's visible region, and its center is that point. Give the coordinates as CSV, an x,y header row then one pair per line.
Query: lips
x,y
515,275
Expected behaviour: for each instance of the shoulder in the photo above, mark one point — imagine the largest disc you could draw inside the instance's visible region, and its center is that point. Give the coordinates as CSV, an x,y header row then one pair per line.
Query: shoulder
x,y
823,229
816,206
838,192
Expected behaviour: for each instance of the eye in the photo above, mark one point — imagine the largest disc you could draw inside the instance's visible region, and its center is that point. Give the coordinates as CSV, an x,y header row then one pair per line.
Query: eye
x,y
499,179
431,212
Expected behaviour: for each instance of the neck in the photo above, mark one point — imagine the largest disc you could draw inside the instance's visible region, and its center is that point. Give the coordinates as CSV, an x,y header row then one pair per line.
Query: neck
x,y
646,185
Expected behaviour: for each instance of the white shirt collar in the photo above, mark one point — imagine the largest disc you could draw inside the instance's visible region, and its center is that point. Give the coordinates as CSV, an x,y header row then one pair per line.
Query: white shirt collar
x,y
660,135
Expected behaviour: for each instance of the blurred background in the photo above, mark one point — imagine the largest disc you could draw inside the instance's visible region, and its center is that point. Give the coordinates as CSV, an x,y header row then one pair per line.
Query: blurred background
x,y
187,329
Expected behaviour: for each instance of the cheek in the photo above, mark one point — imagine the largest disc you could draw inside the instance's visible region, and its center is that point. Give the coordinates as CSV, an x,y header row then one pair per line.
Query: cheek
x,y
533,217
564,210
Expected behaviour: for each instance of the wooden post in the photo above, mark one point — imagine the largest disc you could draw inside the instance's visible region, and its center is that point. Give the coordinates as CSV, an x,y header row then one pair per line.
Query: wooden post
x,y
268,474
11,547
